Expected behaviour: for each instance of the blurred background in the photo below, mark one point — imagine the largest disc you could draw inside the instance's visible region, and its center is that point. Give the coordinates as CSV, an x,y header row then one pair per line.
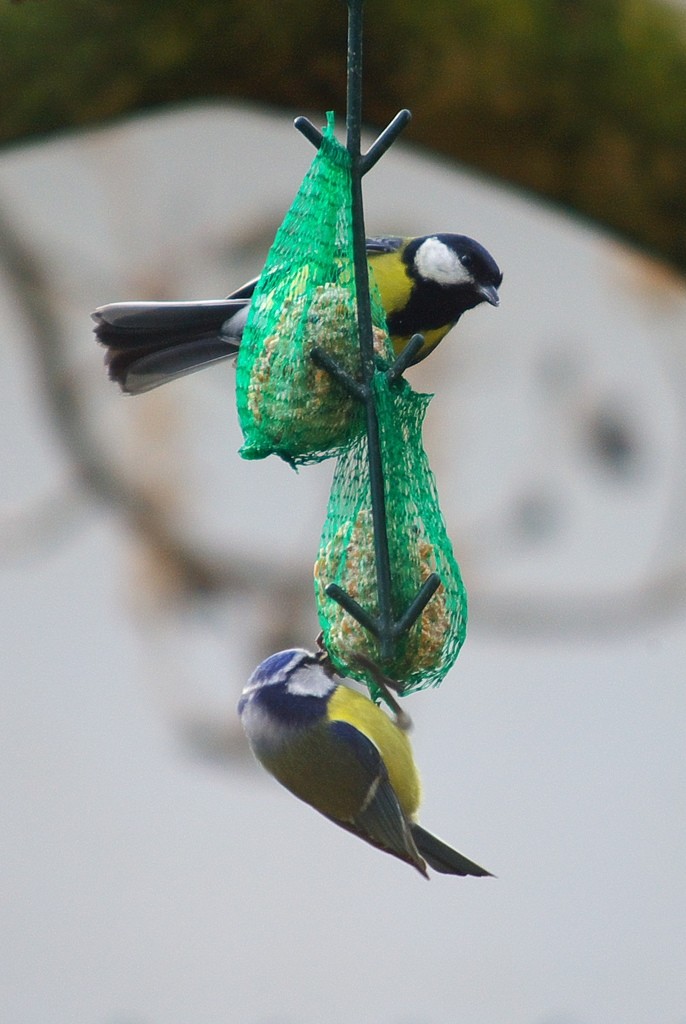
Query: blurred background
x,y
150,873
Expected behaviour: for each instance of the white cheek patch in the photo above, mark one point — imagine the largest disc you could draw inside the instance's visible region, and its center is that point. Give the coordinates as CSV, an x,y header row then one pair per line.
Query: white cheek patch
x,y
435,261
310,681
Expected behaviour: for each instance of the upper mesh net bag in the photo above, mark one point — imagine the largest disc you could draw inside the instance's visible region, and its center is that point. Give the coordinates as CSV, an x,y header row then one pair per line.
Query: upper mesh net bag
x,y
306,299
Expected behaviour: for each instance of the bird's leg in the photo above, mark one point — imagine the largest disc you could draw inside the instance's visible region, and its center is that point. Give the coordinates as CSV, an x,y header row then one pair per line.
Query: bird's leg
x,y
386,685
323,655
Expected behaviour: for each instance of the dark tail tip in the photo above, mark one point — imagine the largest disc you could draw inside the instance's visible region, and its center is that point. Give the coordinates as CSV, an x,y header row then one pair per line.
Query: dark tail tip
x,y
442,858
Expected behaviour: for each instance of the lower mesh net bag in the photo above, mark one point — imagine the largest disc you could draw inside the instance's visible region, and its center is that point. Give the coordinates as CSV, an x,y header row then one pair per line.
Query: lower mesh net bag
x,y
418,546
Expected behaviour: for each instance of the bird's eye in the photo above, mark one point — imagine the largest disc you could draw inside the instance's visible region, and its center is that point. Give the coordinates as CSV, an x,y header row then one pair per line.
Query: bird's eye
x,y
467,261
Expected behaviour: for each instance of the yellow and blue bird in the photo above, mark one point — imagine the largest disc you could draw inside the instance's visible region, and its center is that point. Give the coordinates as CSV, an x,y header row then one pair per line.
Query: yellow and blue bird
x,y
426,284
339,752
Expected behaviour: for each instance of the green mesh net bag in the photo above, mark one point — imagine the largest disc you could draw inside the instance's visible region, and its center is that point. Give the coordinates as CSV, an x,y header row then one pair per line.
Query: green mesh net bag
x,y
306,298
418,546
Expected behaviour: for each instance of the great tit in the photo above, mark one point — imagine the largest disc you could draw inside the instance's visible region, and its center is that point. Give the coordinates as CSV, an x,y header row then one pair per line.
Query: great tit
x,y
339,752
426,284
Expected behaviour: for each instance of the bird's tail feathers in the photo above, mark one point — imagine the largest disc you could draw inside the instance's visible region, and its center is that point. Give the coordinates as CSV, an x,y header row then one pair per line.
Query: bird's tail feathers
x,y
150,343
442,858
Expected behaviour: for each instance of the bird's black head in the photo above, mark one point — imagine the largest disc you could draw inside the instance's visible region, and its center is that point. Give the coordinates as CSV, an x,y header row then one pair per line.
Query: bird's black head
x,y
451,274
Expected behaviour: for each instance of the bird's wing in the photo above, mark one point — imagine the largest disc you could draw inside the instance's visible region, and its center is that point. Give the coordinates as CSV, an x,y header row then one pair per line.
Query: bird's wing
x,y
442,857
389,243
378,818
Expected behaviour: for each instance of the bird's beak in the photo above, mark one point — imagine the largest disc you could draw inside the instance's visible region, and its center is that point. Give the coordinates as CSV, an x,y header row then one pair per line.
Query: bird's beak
x,y
490,294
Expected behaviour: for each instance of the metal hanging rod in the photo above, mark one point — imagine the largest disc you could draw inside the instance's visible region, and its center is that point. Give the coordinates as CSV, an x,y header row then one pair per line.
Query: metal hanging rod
x,y
384,626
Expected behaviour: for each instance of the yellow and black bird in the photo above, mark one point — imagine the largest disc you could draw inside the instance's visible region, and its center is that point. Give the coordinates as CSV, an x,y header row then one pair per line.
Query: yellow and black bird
x,y
426,284
339,752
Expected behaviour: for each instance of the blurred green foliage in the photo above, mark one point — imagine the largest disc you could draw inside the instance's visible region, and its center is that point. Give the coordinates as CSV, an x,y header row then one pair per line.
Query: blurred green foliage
x,y
583,101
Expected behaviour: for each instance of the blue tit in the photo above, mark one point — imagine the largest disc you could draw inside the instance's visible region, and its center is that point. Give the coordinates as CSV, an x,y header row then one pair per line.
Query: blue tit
x,y
339,752
426,284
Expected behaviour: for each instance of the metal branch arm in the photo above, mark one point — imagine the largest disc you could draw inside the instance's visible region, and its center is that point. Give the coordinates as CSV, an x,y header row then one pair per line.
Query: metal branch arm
x,y
375,623
377,149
